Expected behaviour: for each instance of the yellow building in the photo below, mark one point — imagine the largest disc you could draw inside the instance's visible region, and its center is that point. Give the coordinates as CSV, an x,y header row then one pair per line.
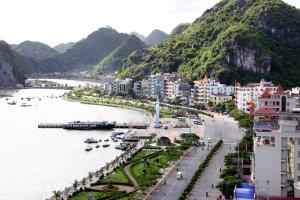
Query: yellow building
x,y
220,98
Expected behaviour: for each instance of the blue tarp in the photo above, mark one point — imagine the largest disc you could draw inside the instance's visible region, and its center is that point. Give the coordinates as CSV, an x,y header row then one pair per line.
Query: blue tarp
x,y
247,193
247,185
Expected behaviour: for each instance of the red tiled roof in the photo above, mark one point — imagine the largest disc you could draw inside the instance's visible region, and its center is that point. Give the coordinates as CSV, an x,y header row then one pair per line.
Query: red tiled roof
x,y
265,111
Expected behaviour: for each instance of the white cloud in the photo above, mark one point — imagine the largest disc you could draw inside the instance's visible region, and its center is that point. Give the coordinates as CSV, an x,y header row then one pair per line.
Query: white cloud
x,y
55,21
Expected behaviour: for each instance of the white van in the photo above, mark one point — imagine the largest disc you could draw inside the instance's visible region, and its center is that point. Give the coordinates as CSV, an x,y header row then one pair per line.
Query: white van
x,y
179,176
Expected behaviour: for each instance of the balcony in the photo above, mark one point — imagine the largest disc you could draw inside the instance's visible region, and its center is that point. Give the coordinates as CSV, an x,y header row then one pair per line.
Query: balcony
x,y
265,141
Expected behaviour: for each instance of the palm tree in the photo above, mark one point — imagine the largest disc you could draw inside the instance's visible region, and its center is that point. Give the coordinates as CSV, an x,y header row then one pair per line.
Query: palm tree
x,y
98,173
91,175
83,182
56,194
75,184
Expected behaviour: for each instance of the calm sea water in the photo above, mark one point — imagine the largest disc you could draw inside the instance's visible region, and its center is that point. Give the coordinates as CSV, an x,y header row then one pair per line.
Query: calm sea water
x,y
34,162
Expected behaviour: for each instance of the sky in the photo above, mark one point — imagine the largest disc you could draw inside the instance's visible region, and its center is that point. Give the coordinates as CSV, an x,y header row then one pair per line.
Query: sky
x,y
60,21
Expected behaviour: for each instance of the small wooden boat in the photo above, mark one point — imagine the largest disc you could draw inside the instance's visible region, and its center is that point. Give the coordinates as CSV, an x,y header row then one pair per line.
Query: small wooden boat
x,y
105,145
88,148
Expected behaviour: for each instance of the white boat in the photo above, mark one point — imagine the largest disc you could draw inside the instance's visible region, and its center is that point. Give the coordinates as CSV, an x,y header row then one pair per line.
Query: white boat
x,y
12,103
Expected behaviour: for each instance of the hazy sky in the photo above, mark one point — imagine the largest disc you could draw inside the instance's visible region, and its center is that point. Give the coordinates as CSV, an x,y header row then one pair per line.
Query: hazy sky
x,y
56,21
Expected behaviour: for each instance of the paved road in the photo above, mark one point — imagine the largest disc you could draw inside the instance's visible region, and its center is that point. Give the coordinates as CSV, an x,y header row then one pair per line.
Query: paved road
x,y
188,165
214,128
210,176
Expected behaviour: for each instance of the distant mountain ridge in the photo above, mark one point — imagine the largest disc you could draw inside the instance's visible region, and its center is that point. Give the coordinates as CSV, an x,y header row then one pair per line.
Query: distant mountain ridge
x,y
63,47
140,36
35,50
155,37
114,60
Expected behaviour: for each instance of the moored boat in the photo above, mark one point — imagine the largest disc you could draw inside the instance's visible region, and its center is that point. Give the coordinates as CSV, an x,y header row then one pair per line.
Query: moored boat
x,y
105,145
88,148
78,125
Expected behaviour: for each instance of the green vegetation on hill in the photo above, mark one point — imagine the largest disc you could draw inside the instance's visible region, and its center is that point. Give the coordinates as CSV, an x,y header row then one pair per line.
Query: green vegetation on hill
x,y
113,61
34,50
243,40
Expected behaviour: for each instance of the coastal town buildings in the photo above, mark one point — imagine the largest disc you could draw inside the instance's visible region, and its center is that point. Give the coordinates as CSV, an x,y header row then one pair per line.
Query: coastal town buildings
x,y
146,88
205,88
278,101
220,98
276,151
170,80
276,158
107,79
182,89
137,88
157,85
122,86
246,97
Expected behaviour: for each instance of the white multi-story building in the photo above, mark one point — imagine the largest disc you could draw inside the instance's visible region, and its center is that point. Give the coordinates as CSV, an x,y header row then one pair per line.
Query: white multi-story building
x,y
204,88
278,101
170,80
276,158
248,95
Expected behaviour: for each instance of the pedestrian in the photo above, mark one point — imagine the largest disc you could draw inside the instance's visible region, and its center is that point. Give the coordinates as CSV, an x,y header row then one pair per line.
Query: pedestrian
x,y
220,170
206,194
176,169
165,182
230,147
212,186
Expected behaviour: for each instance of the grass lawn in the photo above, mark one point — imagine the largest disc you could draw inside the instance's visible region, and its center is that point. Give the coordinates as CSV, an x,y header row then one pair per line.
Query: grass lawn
x,y
141,154
147,172
165,113
118,176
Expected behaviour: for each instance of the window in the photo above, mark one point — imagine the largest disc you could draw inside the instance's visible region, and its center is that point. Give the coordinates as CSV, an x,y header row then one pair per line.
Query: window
x,y
298,166
298,153
298,178
298,141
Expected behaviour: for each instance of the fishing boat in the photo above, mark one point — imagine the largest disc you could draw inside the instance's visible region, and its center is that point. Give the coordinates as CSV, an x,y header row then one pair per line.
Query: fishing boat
x,y
106,140
12,103
97,146
88,148
105,145
90,141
